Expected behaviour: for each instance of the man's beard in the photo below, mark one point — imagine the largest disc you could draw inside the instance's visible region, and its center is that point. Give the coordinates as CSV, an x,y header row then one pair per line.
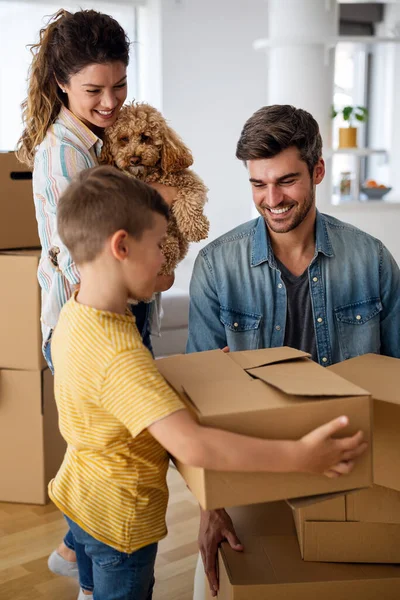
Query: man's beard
x,y
296,219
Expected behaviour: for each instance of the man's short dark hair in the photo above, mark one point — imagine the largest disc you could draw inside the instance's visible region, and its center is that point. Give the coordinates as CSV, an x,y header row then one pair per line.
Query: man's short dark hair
x,y
275,128
101,201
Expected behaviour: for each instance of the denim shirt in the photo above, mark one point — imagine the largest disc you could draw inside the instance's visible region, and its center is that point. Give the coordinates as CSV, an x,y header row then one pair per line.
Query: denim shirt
x,y
238,298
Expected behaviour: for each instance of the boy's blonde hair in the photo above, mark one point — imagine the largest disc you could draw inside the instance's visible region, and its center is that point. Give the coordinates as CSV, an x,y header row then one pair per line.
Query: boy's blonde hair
x,y
101,201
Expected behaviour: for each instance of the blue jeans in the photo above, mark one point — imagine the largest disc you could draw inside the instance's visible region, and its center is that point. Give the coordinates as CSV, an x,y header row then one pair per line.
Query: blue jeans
x,y
141,312
117,575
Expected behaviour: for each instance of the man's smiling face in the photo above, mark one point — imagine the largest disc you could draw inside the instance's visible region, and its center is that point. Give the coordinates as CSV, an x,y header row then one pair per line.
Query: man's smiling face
x,y
283,190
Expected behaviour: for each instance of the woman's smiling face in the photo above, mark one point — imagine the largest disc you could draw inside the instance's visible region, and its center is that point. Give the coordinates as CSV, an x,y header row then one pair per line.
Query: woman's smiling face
x,y
97,92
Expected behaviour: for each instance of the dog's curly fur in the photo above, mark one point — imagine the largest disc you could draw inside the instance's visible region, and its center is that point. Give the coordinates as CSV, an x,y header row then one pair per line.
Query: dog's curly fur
x,y
141,144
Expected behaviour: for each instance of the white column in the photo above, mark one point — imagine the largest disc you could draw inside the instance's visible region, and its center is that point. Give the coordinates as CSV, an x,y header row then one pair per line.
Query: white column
x,y
300,65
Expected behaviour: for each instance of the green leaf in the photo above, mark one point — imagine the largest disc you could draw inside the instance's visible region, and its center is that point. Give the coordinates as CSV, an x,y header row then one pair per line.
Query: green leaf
x,y
361,113
347,112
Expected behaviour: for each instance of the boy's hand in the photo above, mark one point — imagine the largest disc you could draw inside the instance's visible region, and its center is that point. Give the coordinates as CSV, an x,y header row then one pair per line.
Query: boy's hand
x,y
321,453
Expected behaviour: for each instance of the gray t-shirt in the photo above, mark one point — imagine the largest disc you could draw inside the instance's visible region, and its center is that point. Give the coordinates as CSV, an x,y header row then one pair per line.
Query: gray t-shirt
x,y
299,330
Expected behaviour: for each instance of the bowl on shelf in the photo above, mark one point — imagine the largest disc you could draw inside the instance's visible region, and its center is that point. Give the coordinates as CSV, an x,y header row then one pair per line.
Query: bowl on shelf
x,y
375,193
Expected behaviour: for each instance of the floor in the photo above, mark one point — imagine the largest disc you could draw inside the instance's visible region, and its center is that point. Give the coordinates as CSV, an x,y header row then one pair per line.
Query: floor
x,y
29,533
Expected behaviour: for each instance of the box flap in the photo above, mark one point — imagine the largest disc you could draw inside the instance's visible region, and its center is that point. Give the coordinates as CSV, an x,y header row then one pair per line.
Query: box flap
x,y
199,367
306,378
230,396
378,374
250,359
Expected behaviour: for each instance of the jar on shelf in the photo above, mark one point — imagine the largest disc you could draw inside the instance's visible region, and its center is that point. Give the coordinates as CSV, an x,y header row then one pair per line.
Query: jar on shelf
x,y
345,183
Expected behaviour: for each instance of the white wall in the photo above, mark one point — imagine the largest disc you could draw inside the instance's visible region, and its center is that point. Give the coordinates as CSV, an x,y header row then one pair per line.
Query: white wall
x,y
212,82
204,74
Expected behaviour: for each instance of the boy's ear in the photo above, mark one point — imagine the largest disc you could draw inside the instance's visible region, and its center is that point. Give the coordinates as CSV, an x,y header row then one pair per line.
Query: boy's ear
x,y
119,245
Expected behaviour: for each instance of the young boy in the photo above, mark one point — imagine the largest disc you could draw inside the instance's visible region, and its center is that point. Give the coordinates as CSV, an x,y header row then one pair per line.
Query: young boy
x,y
118,415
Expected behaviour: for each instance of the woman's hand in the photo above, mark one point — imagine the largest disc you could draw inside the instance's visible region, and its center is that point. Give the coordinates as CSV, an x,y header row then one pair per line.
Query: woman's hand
x,y
164,282
167,192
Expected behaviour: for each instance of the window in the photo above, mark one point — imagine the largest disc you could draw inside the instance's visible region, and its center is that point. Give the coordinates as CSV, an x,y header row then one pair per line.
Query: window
x,y
20,24
350,89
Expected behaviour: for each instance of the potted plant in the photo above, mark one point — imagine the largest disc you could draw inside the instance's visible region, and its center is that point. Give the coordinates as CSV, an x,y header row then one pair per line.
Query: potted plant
x,y
351,114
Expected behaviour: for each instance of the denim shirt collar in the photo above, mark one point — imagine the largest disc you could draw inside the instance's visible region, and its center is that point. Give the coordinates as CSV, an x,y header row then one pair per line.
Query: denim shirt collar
x,y
262,249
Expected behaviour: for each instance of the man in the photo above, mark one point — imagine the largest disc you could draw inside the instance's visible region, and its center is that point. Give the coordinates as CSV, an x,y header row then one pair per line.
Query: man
x,y
292,277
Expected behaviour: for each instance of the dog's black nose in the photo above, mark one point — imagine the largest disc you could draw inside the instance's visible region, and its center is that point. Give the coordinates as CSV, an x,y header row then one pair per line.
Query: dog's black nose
x,y
135,160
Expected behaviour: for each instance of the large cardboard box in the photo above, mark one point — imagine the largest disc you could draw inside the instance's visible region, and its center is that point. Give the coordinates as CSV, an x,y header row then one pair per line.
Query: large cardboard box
x,y
271,568
31,447
18,226
276,393
359,527
380,375
20,332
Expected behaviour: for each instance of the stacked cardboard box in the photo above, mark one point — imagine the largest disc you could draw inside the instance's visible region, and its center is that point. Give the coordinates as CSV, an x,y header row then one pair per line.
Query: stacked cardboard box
x,y
18,228
361,527
278,393
31,448
271,566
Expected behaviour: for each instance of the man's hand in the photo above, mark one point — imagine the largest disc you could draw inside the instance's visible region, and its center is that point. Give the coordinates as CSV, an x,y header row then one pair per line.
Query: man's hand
x,y
215,527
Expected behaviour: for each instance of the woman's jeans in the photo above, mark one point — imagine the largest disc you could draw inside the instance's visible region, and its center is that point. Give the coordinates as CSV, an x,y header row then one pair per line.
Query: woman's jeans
x,y
117,575
141,312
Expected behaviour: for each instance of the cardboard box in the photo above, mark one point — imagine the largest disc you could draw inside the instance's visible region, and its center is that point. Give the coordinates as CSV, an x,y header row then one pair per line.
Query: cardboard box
x,y
350,528
31,447
271,568
373,505
18,226
277,394
349,542
332,510
21,337
380,375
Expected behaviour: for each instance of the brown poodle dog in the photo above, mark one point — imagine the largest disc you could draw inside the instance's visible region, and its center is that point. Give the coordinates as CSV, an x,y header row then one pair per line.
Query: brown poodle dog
x,y
141,144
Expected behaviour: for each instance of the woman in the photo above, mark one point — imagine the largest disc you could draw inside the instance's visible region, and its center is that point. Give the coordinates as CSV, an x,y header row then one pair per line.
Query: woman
x,y
77,85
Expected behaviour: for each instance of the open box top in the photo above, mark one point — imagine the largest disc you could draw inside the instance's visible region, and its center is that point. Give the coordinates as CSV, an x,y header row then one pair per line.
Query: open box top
x,y
215,383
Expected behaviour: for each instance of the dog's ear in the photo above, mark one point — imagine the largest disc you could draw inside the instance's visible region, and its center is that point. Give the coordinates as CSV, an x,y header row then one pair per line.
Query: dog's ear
x,y
175,156
106,157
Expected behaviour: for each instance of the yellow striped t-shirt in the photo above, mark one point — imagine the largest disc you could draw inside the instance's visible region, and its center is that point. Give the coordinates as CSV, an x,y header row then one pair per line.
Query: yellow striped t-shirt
x,y
112,481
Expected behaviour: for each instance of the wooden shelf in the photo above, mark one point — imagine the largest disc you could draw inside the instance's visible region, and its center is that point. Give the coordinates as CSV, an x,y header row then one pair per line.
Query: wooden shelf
x,y
373,205
355,152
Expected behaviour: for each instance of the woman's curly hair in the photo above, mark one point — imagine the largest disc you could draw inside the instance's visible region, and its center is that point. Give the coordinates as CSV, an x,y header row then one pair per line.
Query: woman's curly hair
x,y
69,43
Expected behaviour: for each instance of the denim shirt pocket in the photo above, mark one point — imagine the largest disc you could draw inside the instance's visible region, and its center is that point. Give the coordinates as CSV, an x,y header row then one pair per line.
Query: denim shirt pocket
x,y
242,329
359,327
